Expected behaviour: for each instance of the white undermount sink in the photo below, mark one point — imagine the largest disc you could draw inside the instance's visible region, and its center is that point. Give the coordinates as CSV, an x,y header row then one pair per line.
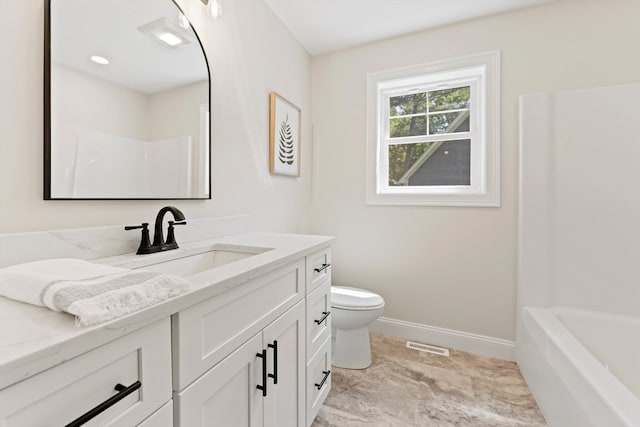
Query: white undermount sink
x,y
195,260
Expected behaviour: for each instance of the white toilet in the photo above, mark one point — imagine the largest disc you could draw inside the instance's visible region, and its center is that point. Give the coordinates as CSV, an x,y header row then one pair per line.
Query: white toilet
x,y
353,310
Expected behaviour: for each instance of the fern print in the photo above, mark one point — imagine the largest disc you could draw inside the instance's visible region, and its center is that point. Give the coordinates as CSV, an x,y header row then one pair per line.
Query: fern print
x,y
285,142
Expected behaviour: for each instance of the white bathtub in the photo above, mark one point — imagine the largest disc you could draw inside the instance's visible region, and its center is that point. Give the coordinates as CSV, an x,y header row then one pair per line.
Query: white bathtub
x,y
582,367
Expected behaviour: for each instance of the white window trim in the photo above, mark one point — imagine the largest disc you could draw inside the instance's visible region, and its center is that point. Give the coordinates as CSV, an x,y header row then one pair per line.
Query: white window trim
x,y
484,190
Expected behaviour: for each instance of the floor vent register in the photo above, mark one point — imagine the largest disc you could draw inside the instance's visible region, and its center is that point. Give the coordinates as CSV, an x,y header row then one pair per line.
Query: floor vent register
x,y
428,348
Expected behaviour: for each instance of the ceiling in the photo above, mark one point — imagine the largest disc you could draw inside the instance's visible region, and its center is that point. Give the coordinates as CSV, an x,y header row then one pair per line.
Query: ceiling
x,y
325,25
109,28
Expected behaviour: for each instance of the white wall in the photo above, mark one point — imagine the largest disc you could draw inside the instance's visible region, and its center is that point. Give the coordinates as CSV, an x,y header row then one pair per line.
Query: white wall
x,y
246,50
453,267
85,110
83,101
175,113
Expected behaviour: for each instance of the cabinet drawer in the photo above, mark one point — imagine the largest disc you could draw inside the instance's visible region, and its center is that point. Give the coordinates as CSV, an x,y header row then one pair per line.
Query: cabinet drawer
x,y
318,268
67,391
318,318
318,380
205,333
163,417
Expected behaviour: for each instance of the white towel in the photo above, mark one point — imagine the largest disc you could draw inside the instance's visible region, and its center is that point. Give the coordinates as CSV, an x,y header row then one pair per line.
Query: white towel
x,y
94,293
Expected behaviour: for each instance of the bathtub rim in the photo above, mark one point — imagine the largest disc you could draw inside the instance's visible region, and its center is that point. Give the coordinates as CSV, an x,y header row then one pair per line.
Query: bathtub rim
x,y
545,327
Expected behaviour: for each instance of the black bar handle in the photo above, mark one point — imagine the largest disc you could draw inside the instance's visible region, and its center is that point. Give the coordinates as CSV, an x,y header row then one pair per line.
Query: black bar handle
x,y
325,314
323,268
263,387
324,379
177,222
123,391
274,346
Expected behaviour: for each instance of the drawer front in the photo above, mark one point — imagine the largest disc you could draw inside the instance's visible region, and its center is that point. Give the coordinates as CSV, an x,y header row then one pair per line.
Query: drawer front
x,y
318,380
163,417
65,392
318,318
318,268
205,333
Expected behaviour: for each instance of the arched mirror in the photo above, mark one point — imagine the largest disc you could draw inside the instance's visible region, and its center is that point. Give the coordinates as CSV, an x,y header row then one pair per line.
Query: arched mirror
x,y
126,102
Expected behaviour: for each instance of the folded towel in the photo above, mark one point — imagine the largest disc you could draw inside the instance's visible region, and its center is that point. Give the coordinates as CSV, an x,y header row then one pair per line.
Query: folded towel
x,y
94,293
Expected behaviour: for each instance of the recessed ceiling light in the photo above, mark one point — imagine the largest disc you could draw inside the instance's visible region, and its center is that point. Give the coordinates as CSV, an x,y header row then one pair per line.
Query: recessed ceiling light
x,y
99,60
170,39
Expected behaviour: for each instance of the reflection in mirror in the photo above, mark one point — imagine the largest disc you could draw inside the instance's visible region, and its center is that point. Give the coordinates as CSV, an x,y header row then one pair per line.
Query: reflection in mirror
x,y
126,102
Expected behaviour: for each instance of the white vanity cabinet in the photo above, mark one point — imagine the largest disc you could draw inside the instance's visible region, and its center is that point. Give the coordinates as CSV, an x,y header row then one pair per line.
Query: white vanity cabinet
x,y
137,364
247,349
260,384
206,333
250,347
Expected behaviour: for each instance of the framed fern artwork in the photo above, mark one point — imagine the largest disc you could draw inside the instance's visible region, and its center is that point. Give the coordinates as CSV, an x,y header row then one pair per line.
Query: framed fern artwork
x,y
284,136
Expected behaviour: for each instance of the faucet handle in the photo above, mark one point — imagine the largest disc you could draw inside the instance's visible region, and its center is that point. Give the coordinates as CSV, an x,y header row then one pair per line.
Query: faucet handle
x,y
171,236
134,227
145,242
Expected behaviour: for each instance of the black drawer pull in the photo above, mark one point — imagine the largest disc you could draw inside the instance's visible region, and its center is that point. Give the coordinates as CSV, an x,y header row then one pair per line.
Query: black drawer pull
x,y
123,392
274,346
263,387
321,269
324,379
325,314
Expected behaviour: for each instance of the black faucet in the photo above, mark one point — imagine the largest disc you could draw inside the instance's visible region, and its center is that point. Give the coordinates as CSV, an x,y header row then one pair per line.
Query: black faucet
x,y
159,244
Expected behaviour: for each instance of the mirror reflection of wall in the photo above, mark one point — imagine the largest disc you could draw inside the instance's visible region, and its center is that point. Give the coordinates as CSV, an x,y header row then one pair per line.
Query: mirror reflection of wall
x,y
135,123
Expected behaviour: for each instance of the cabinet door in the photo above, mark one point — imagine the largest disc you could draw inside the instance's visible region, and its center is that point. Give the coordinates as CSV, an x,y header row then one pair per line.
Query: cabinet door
x,y
226,395
284,339
163,417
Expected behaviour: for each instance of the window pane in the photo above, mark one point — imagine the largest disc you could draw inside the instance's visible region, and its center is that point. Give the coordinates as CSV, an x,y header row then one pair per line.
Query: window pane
x,y
408,126
447,123
449,99
402,157
431,163
408,104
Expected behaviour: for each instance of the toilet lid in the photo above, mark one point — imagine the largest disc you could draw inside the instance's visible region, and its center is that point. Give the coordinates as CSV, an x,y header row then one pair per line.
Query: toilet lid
x,y
345,297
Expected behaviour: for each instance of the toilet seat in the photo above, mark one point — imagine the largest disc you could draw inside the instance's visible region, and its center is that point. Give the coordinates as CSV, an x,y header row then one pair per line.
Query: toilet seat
x,y
348,298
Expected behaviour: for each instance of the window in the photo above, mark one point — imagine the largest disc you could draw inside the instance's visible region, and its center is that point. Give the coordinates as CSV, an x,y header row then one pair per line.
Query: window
x,y
433,134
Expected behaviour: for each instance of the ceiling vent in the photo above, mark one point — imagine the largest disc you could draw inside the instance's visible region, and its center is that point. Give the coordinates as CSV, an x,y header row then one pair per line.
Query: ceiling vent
x,y
166,33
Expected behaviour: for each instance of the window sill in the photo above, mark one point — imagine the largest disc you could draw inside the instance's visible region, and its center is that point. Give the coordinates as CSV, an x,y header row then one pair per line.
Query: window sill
x,y
467,200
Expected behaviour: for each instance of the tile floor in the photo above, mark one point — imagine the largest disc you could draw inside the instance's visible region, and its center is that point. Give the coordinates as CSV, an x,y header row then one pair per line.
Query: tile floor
x,y
405,387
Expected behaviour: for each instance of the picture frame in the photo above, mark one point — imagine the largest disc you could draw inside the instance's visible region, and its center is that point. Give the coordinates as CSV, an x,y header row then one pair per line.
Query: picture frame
x,y
284,136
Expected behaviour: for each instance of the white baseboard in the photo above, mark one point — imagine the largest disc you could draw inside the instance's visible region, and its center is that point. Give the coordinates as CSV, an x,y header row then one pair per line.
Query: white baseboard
x,y
449,338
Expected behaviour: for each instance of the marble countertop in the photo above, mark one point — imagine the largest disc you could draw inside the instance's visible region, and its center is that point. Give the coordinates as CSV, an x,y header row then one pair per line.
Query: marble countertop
x,y
33,338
